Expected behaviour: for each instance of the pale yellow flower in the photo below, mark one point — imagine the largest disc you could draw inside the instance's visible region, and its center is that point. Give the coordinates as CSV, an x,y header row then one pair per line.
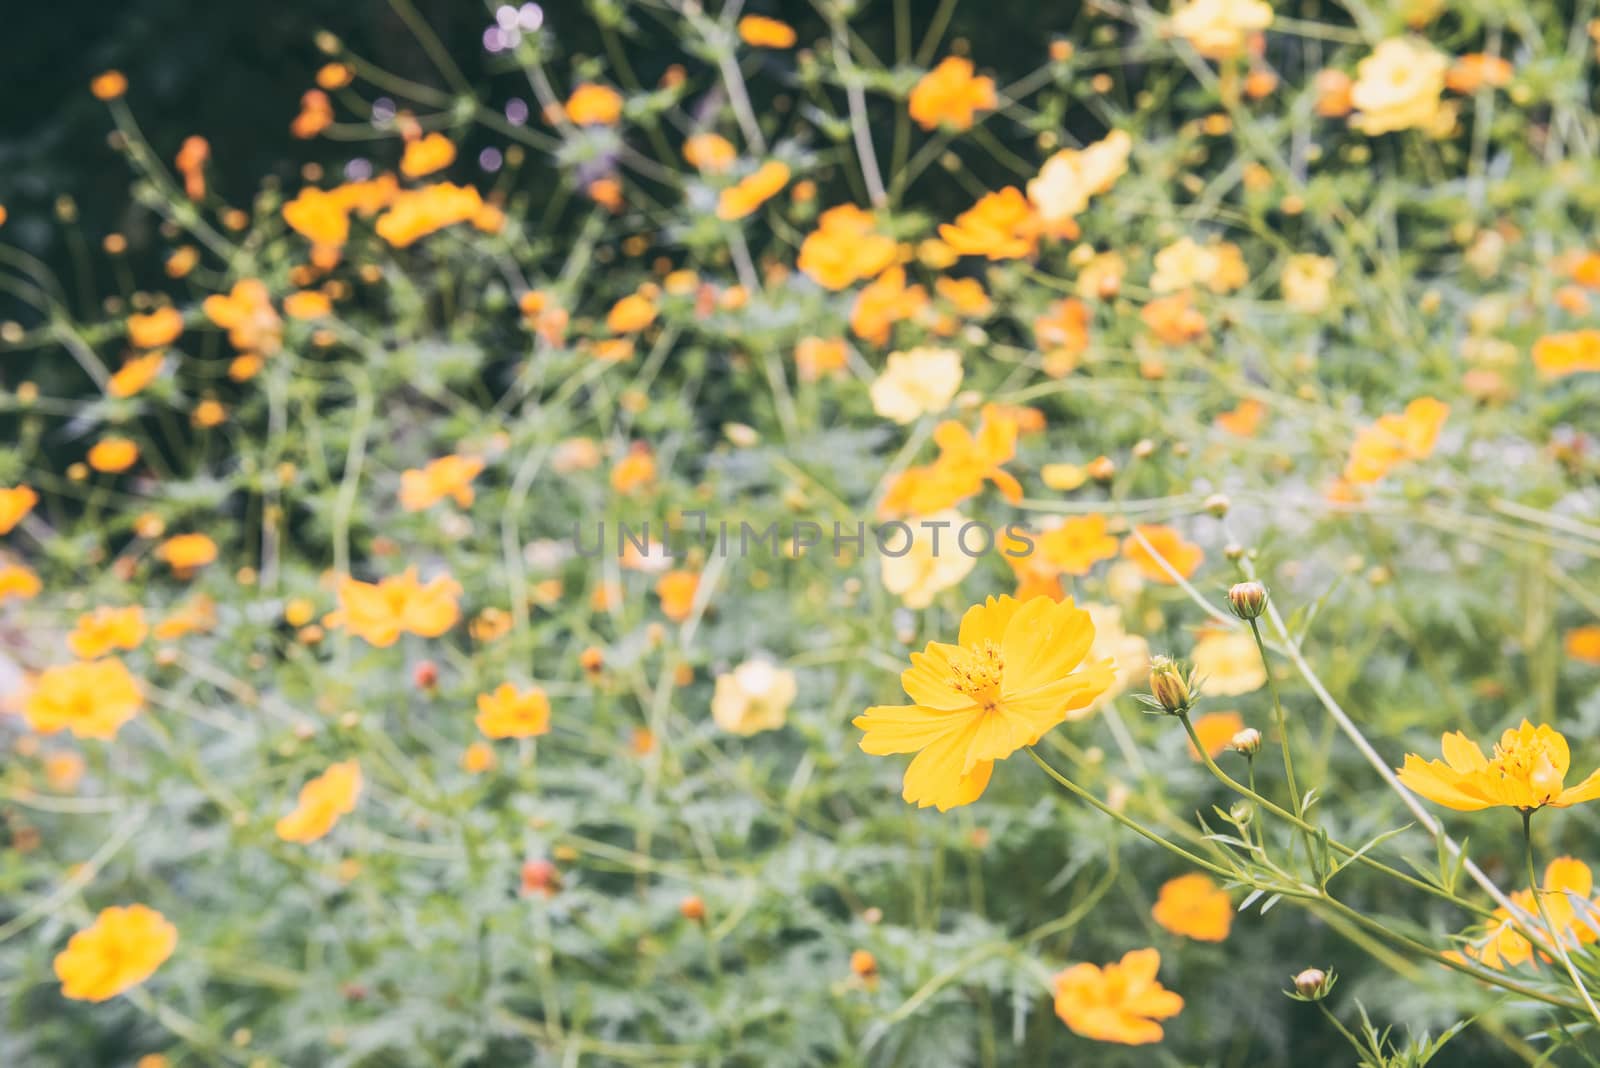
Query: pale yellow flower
x,y
1398,86
1070,177
925,569
1220,29
1129,654
753,697
1228,663
1307,283
916,383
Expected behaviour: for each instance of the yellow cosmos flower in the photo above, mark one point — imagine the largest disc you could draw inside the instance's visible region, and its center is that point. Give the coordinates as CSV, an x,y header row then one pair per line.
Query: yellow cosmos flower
x,y
426,155
160,327
113,455
105,629
121,949
508,712
1072,176
321,802
134,375
15,503
752,191
1567,886
380,612
1194,906
1528,771
1117,1003
184,553
448,476
1017,669
19,582
761,32
91,699
1220,29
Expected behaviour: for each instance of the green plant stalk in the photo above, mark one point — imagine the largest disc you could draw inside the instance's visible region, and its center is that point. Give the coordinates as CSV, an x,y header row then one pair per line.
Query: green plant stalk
x,y
1337,846
1544,914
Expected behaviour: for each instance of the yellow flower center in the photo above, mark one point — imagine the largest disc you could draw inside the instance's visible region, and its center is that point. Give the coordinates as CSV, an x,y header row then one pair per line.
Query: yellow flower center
x,y
1530,763
977,672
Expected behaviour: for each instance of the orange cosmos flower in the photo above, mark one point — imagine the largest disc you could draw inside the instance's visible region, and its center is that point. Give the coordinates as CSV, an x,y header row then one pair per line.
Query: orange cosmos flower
x,y
199,614
319,216
134,375
1062,334
1182,556
331,76
1118,1003
594,105
1565,878
1000,226
709,152
90,698
15,503
121,949
113,455
630,315
380,612
882,303
448,476
949,95
818,358
512,713
677,591
307,304
321,802
1077,544
185,553
416,213
191,163
426,155
636,470
1527,772
109,85
1395,439
1173,320
19,582
760,32
1244,420
1215,729
967,294
367,197
1583,643
752,191
246,313
1194,906
1475,71
1017,670
160,327
845,248
105,629
1557,355
316,115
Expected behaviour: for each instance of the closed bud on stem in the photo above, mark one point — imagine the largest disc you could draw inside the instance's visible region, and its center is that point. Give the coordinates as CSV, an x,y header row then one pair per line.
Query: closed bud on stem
x,y
1247,599
1313,984
1247,741
1170,687
1242,813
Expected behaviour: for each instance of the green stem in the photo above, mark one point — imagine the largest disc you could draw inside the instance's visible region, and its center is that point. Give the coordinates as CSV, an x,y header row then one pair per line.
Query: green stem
x,y
1337,846
1133,825
1544,915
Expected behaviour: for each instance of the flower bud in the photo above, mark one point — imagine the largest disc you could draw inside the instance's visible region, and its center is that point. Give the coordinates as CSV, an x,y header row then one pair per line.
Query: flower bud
x,y
1247,741
1217,504
1313,984
1241,813
692,908
1171,689
1247,599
